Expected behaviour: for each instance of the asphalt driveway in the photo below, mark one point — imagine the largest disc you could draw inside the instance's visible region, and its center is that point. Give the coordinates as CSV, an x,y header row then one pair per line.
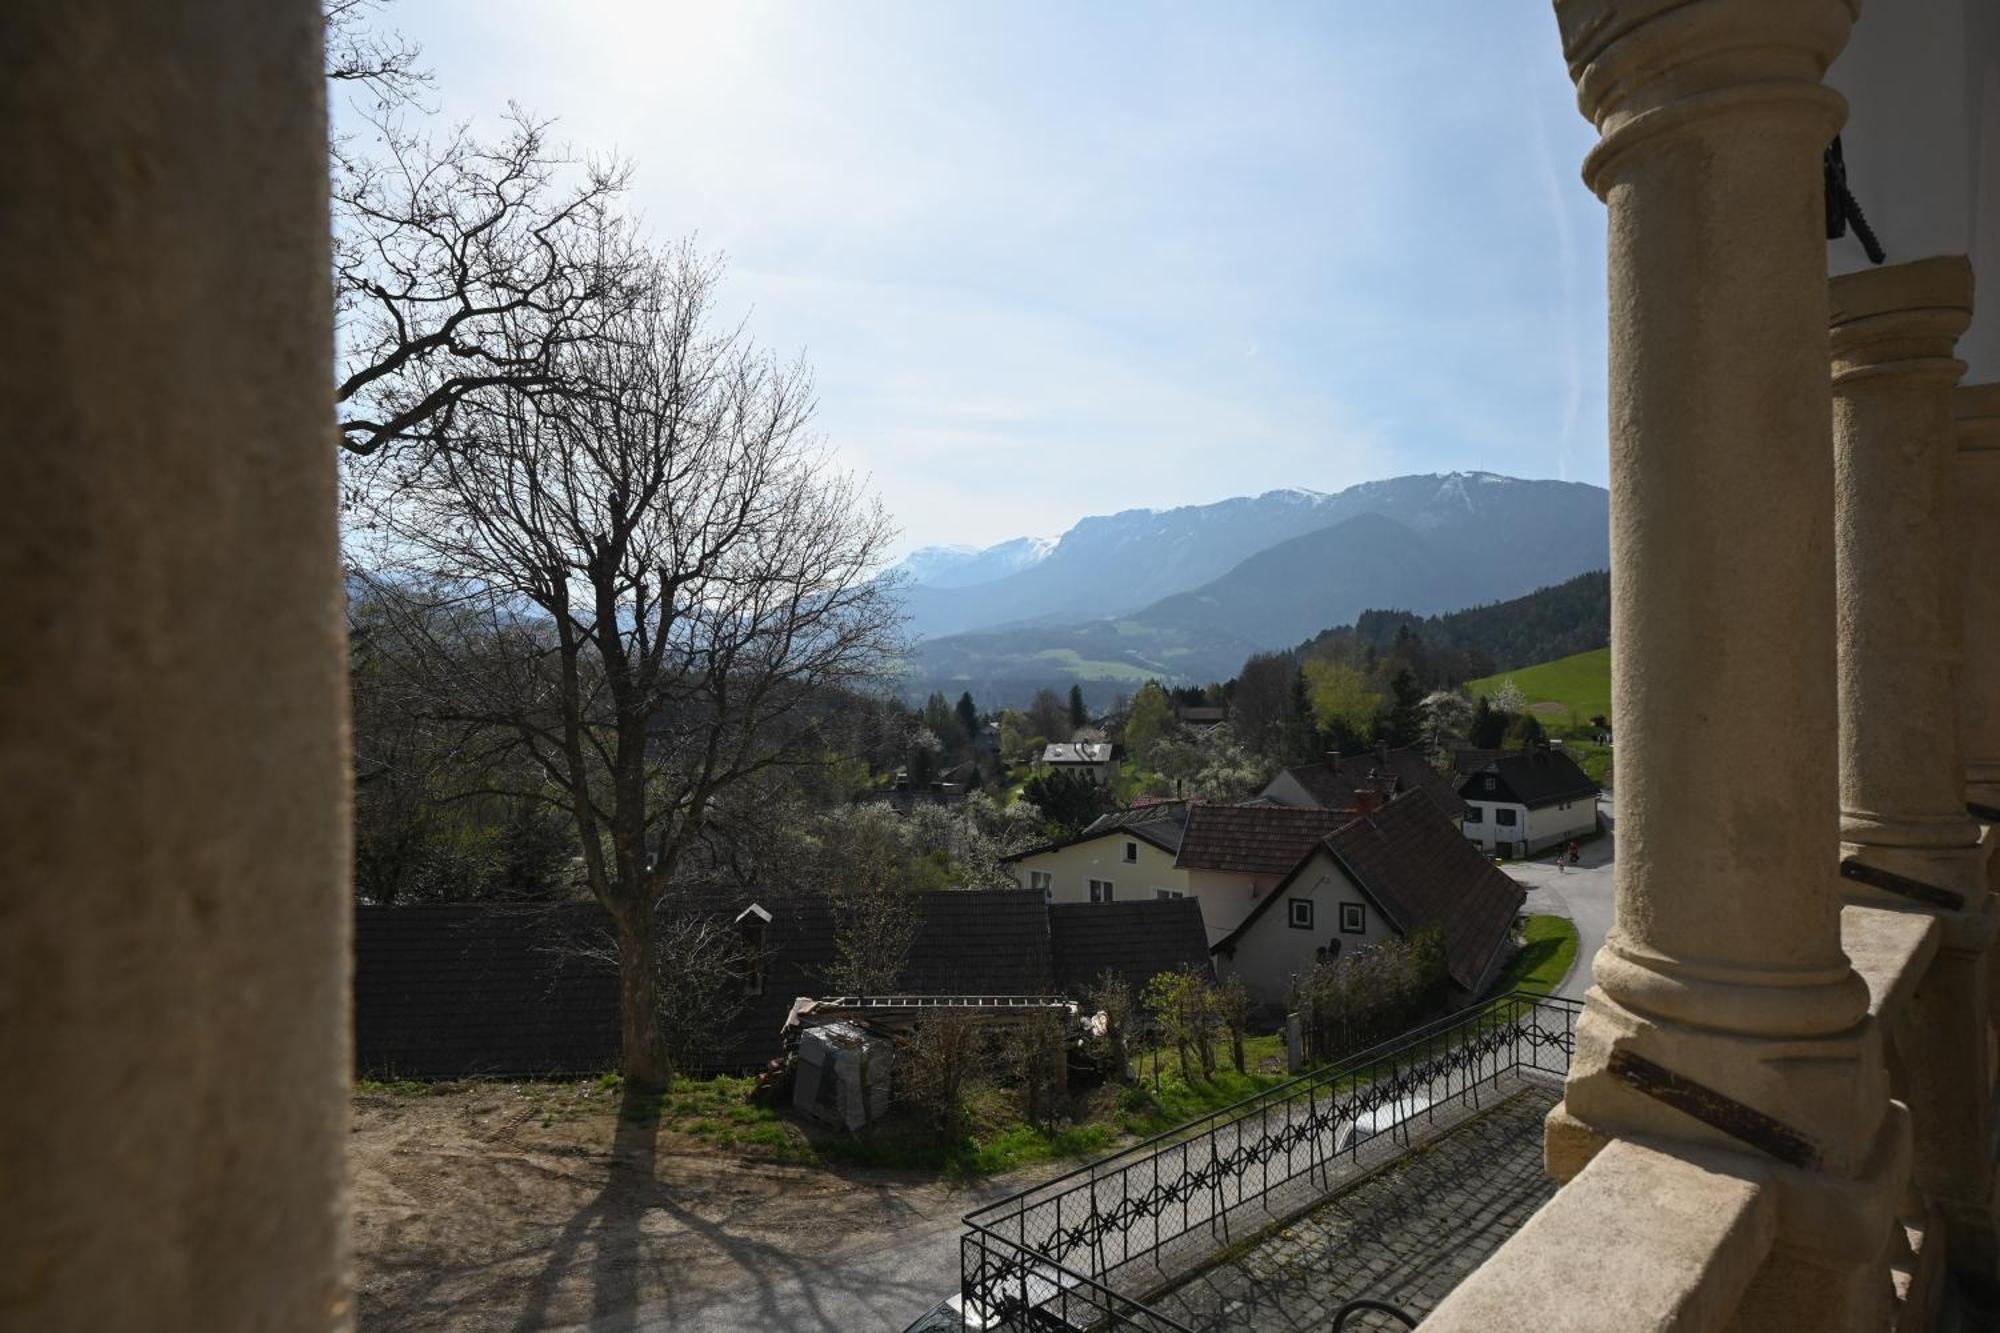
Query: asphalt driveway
x,y
1582,893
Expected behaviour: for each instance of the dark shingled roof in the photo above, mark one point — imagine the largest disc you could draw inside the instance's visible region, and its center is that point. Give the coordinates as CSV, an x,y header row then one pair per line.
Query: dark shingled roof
x,y
1534,778
472,989
992,943
1422,872
1137,940
1253,839
449,991
1333,784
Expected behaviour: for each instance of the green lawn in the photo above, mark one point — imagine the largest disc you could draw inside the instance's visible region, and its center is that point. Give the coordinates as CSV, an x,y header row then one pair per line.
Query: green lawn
x,y
1579,685
1545,957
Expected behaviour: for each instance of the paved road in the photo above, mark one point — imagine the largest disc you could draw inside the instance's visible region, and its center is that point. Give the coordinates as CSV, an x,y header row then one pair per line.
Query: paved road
x,y
1582,893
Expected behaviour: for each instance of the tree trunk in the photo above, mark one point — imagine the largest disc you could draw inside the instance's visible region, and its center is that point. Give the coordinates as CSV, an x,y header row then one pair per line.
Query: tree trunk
x,y
645,1055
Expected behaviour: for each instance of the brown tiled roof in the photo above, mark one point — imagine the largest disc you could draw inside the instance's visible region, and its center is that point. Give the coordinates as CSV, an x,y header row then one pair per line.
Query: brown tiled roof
x,y
1137,940
1423,872
1333,785
1253,839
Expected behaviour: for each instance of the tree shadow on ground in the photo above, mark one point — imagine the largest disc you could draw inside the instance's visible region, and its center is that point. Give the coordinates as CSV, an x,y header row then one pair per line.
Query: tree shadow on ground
x,y
783,1289
614,1219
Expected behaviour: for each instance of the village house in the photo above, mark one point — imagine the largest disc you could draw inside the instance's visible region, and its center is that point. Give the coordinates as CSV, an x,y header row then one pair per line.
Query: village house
x,y
1225,856
1527,801
1388,772
1386,874
1090,758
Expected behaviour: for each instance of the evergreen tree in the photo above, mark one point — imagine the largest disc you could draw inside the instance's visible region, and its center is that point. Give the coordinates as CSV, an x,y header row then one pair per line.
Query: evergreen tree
x,y
968,716
1078,717
1489,725
1299,743
1405,723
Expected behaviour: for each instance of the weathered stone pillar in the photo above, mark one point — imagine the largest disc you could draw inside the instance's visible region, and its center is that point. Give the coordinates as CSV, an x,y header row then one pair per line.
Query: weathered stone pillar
x,y
1977,484
1725,1013
1905,833
174,917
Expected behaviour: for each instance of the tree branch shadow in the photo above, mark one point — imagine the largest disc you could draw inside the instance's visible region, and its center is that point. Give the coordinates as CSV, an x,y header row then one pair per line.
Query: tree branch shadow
x,y
615,1218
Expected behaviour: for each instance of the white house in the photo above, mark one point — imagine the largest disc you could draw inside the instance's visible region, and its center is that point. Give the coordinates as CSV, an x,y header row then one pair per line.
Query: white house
x,y
1520,803
1381,875
1225,856
1090,758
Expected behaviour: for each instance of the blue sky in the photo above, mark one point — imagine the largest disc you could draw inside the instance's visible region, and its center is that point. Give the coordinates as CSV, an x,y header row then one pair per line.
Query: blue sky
x,y
1054,260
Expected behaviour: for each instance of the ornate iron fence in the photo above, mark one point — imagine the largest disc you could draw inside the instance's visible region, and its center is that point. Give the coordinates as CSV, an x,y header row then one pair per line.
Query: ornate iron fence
x,y
1061,1255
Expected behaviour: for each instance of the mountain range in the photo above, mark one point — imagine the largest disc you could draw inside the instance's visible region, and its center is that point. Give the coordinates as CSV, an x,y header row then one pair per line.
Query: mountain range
x,y
1185,594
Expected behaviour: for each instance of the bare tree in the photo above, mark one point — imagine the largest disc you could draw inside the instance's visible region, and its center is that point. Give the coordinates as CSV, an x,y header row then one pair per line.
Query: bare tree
x,y
645,587
362,55
864,857
461,264
465,265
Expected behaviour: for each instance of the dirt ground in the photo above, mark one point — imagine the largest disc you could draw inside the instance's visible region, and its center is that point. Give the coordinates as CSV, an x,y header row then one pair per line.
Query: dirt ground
x,y
491,1206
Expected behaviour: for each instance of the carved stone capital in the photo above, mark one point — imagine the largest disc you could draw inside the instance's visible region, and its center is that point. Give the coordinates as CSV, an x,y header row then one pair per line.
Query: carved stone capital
x,y
1647,69
1901,320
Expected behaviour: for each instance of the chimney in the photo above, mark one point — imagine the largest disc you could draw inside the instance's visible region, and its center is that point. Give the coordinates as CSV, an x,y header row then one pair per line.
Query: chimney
x,y
1367,801
1382,753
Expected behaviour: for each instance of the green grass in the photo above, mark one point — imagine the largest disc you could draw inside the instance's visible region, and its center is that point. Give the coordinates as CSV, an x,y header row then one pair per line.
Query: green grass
x,y
719,1111
1153,1106
896,1144
1070,662
1579,685
395,1087
1545,957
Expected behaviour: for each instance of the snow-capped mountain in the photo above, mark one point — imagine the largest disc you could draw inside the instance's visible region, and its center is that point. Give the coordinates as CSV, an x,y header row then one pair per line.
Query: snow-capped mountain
x,y
963,566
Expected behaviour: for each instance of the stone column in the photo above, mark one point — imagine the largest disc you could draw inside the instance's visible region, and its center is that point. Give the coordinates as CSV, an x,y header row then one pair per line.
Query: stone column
x,y
1725,1013
174,916
1901,777
1977,484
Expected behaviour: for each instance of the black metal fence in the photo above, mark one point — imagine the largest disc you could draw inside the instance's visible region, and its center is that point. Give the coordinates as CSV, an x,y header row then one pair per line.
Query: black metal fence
x,y
1064,1254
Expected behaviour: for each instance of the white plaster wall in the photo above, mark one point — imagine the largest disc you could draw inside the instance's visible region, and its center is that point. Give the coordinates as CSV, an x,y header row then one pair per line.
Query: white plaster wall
x,y
1922,146
1273,950
1488,831
1226,898
1075,866
1553,824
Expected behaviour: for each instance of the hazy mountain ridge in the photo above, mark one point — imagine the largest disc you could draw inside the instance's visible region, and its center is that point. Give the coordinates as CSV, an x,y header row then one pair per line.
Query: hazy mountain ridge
x,y
1112,563
1429,545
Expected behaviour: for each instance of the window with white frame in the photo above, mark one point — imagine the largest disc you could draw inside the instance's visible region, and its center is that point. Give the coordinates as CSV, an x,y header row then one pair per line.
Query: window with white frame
x,y
1300,912
1353,919
1504,816
1042,880
1474,815
1164,894
1100,890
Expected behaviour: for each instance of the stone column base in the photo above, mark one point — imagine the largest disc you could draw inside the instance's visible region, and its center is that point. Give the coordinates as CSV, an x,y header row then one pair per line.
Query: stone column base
x,y
1828,1270
1809,1099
